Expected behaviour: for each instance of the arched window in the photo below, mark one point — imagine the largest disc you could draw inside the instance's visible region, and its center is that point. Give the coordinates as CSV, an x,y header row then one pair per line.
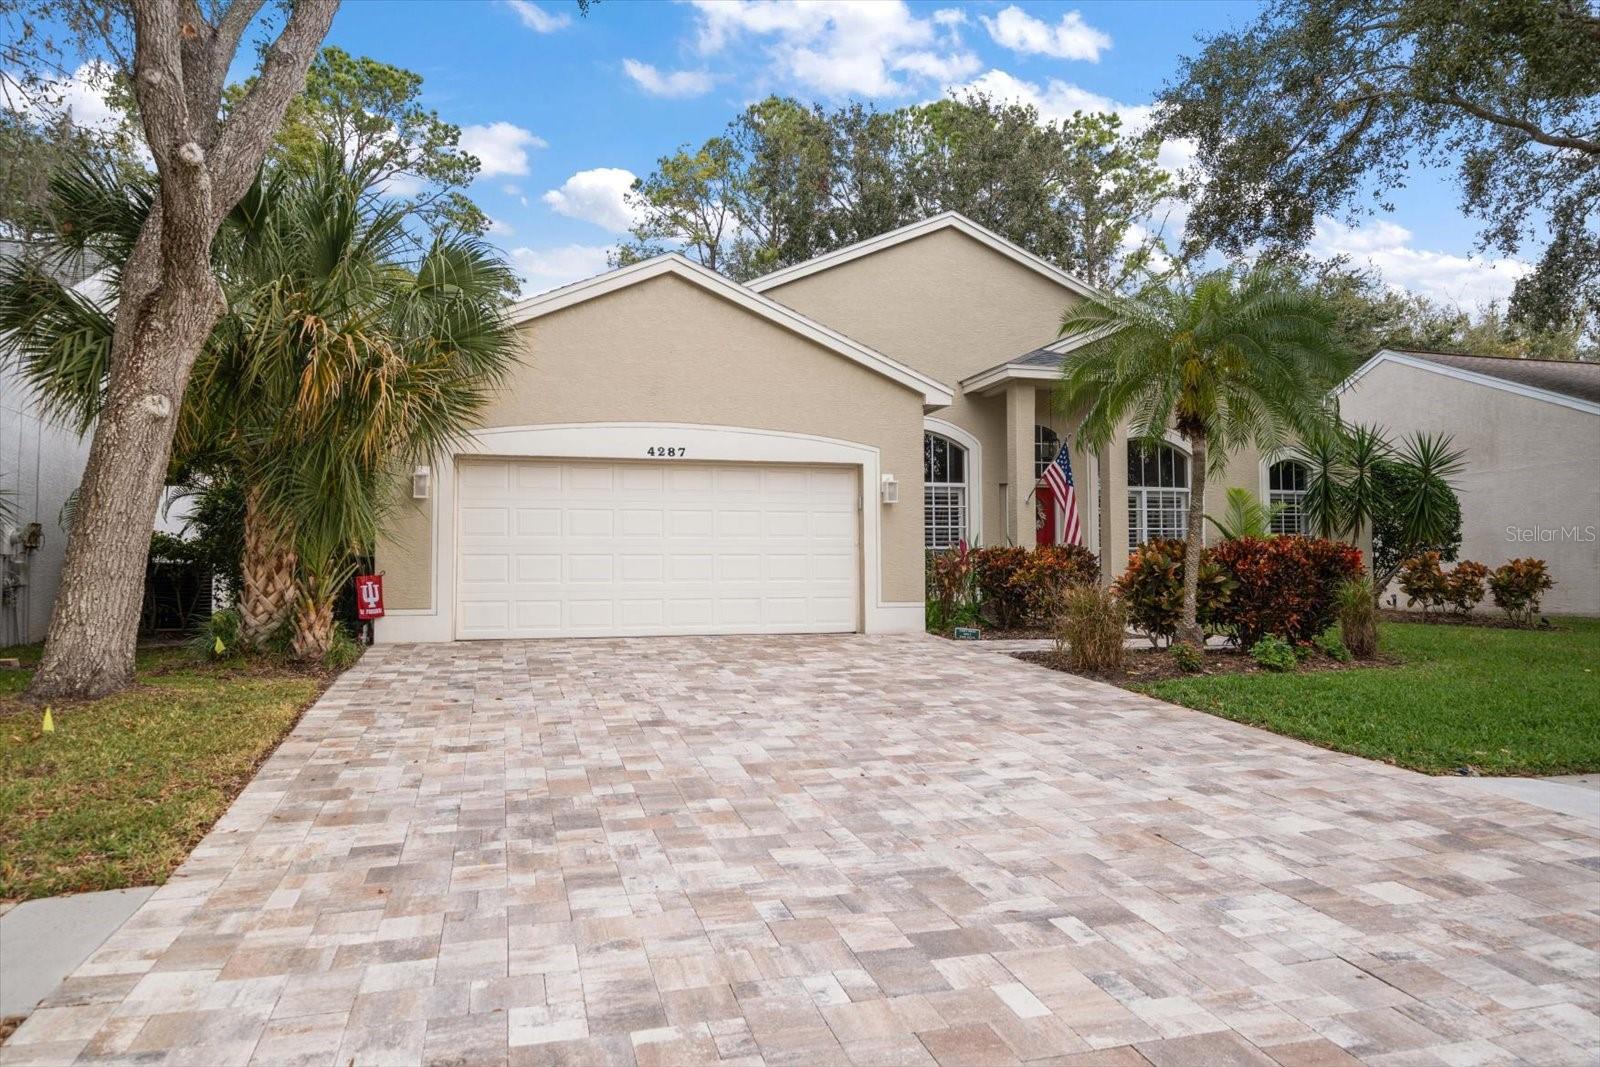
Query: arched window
x,y
1045,446
944,492
1286,485
1158,493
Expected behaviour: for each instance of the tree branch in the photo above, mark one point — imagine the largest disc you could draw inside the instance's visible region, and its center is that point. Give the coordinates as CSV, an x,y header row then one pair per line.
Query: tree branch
x,y
248,132
1554,140
224,44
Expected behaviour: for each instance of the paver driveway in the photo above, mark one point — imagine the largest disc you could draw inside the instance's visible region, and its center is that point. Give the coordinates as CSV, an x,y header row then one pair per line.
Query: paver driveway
x,y
818,850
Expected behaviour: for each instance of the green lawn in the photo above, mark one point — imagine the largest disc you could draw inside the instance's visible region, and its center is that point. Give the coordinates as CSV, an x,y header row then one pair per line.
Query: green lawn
x,y
126,786
1503,701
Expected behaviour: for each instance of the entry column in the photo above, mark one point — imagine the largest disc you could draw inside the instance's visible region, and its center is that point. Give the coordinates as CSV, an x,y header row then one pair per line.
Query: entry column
x,y
1020,416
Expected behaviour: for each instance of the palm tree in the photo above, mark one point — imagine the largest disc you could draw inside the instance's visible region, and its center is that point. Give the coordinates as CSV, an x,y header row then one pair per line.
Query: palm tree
x,y
1232,359
340,362
1404,495
357,367
1245,516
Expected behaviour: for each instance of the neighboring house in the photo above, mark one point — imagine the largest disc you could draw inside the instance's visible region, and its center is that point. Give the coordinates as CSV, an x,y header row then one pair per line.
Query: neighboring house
x,y
680,453
41,464
1531,433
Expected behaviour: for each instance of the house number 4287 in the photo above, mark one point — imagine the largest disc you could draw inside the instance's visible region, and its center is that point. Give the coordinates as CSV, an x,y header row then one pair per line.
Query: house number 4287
x,y
666,452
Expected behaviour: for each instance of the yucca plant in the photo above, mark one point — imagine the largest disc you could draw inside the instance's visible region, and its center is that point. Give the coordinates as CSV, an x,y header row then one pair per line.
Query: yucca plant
x,y
1233,359
1403,494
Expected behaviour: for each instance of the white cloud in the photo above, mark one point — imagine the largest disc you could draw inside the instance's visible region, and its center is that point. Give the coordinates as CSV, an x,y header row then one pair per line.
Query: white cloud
x,y
501,148
82,97
1058,99
548,268
1468,281
939,67
598,196
537,18
672,83
1055,99
851,47
1071,38
500,228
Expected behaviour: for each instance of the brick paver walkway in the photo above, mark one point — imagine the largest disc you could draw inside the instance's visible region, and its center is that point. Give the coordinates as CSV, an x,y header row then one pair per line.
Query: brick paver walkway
x,y
833,850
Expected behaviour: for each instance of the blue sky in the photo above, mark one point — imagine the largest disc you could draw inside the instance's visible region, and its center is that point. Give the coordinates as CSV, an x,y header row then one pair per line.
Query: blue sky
x,y
564,109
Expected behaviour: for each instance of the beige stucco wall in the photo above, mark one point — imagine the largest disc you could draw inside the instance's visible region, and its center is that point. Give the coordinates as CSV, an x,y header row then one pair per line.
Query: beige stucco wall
x,y
949,306
666,350
1530,467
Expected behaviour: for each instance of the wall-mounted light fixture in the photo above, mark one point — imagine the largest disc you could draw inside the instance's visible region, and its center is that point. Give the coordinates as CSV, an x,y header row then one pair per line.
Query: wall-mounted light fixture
x,y
889,490
419,483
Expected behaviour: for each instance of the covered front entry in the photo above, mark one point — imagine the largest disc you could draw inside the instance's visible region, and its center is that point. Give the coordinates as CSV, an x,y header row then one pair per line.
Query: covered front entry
x,y
590,548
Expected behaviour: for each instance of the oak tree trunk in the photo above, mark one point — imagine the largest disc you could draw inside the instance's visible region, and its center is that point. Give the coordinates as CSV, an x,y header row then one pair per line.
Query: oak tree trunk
x,y
1189,627
168,303
267,591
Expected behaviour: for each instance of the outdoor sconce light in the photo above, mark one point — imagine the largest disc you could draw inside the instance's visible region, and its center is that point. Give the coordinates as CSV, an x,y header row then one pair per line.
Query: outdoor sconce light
x,y
889,491
419,483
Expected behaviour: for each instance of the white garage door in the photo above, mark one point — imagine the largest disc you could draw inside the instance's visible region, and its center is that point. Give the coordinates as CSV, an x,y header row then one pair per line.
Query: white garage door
x,y
556,548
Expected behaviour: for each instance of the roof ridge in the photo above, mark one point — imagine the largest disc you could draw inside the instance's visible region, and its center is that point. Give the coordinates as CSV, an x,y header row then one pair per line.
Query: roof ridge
x,y
1425,352
911,230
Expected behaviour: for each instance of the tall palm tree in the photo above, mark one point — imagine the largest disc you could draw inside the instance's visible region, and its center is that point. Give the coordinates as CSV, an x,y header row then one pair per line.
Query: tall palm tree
x,y
1233,359
356,366
347,354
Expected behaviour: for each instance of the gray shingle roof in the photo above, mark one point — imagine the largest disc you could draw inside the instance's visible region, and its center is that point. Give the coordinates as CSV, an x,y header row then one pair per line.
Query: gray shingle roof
x,y
1039,357
1579,380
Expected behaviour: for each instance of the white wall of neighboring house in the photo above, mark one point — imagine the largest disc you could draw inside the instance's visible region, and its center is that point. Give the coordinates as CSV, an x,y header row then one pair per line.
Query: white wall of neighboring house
x,y
1529,487
41,464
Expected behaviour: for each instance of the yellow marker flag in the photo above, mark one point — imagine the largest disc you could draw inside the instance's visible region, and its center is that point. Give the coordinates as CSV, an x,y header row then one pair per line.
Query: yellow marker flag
x,y
219,648
49,723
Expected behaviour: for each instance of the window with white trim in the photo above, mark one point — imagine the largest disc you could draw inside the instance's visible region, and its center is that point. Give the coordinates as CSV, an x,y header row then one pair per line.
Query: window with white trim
x,y
1045,446
1286,485
1158,493
944,492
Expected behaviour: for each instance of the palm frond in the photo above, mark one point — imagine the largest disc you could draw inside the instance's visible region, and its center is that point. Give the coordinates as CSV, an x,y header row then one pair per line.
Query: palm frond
x,y
58,341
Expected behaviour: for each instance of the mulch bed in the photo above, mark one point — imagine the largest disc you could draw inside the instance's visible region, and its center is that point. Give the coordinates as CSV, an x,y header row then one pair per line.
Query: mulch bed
x,y
1156,664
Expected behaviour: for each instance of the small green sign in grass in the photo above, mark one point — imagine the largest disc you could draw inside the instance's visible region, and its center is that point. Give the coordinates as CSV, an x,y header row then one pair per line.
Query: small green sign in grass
x,y
124,787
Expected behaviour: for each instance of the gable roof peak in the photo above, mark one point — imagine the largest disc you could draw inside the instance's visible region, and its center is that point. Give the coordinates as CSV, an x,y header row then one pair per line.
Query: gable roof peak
x,y
943,221
934,392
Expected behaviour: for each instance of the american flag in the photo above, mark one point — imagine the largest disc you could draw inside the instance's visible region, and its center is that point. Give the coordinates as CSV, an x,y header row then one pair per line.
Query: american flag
x,y
1058,479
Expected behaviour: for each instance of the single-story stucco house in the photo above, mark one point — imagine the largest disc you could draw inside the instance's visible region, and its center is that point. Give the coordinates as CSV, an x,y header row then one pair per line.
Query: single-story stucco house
x,y
1530,430
681,453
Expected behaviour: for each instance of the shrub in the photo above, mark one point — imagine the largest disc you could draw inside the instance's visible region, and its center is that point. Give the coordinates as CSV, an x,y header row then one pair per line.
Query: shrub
x,y
1463,586
1047,573
1285,586
343,649
1188,658
1422,581
1001,599
1090,626
1358,618
952,584
1152,589
1517,586
218,637
1332,647
1274,653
